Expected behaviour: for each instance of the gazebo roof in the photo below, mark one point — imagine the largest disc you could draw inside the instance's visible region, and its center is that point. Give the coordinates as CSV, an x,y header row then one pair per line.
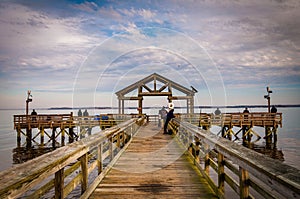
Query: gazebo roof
x,y
155,77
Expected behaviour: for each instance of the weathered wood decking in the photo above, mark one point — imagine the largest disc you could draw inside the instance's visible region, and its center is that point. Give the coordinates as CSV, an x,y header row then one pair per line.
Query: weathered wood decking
x,y
153,166
130,161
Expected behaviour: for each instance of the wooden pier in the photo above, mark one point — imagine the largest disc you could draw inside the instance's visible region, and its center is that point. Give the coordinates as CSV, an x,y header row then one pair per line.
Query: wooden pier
x,y
154,165
135,160
49,128
243,122
130,157
37,134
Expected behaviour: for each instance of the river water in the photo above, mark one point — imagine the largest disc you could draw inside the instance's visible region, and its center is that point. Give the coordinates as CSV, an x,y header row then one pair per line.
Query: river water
x,y
288,136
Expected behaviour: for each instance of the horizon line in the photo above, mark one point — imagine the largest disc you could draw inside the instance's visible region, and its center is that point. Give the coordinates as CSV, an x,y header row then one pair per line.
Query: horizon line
x,y
148,107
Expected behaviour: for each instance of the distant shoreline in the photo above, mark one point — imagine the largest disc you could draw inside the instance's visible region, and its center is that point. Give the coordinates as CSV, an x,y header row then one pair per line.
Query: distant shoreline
x,y
201,107
149,107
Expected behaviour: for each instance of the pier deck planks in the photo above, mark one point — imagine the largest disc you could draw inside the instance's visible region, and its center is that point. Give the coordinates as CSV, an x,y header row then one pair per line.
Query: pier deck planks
x,y
153,166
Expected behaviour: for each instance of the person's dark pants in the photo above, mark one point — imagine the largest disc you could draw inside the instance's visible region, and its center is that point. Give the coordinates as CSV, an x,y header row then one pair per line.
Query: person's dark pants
x,y
166,126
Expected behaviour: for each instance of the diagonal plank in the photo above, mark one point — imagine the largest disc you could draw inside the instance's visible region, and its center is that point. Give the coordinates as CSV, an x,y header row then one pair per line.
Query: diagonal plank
x,y
153,166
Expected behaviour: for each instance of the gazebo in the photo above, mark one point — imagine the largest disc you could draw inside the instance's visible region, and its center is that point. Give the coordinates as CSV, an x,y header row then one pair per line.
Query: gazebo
x,y
156,85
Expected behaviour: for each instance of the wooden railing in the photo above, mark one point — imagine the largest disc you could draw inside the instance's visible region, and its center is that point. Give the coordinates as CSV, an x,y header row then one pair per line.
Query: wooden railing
x,y
33,121
235,119
153,118
68,120
238,166
103,120
59,172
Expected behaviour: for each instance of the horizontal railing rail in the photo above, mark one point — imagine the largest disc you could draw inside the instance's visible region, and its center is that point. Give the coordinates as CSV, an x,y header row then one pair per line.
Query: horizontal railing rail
x,y
41,119
235,119
68,120
238,166
153,118
60,172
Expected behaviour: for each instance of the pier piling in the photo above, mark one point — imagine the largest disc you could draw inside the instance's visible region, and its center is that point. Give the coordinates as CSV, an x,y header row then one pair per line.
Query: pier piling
x,y
28,137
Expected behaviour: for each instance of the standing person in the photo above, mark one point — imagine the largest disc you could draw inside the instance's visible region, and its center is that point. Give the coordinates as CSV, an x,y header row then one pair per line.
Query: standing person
x,y
163,114
170,115
217,112
246,110
85,113
34,113
79,113
273,109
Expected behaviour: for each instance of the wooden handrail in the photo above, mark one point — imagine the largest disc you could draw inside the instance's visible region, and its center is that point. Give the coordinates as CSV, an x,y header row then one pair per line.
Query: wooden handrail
x,y
252,169
20,179
67,120
235,119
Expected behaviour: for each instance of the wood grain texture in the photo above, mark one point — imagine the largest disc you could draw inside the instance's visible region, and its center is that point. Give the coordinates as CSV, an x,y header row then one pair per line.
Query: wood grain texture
x,y
153,166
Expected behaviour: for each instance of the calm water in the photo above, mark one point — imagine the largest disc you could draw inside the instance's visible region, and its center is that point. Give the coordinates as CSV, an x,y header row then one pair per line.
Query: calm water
x,y
288,135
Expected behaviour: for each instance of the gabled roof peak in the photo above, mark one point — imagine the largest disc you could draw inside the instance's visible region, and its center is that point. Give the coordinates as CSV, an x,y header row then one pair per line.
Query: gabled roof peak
x,y
155,77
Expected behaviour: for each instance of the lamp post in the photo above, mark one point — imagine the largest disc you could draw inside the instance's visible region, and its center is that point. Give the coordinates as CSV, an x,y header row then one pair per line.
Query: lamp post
x,y
268,97
28,100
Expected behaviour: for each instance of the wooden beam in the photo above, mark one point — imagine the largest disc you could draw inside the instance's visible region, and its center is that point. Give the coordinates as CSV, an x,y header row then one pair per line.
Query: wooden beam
x,y
221,177
244,183
155,77
155,94
130,98
59,184
147,88
154,82
84,170
99,158
163,87
181,97
170,88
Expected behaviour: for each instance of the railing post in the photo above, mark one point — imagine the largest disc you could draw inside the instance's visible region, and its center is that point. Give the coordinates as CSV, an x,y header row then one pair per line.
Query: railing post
x,y
19,136
197,150
118,140
99,159
111,150
275,135
268,136
84,170
28,136
42,135
62,135
53,137
123,138
221,173
244,183
206,159
206,164
71,135
80,130
59,184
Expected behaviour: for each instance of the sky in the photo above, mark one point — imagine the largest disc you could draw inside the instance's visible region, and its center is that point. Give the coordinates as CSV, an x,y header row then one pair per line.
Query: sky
x,y
79,53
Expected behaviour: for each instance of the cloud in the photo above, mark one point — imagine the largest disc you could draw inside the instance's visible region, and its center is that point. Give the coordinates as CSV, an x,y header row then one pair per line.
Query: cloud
x,y
145,14
36,44
87,6
27,30
196,42
249,38
241,26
